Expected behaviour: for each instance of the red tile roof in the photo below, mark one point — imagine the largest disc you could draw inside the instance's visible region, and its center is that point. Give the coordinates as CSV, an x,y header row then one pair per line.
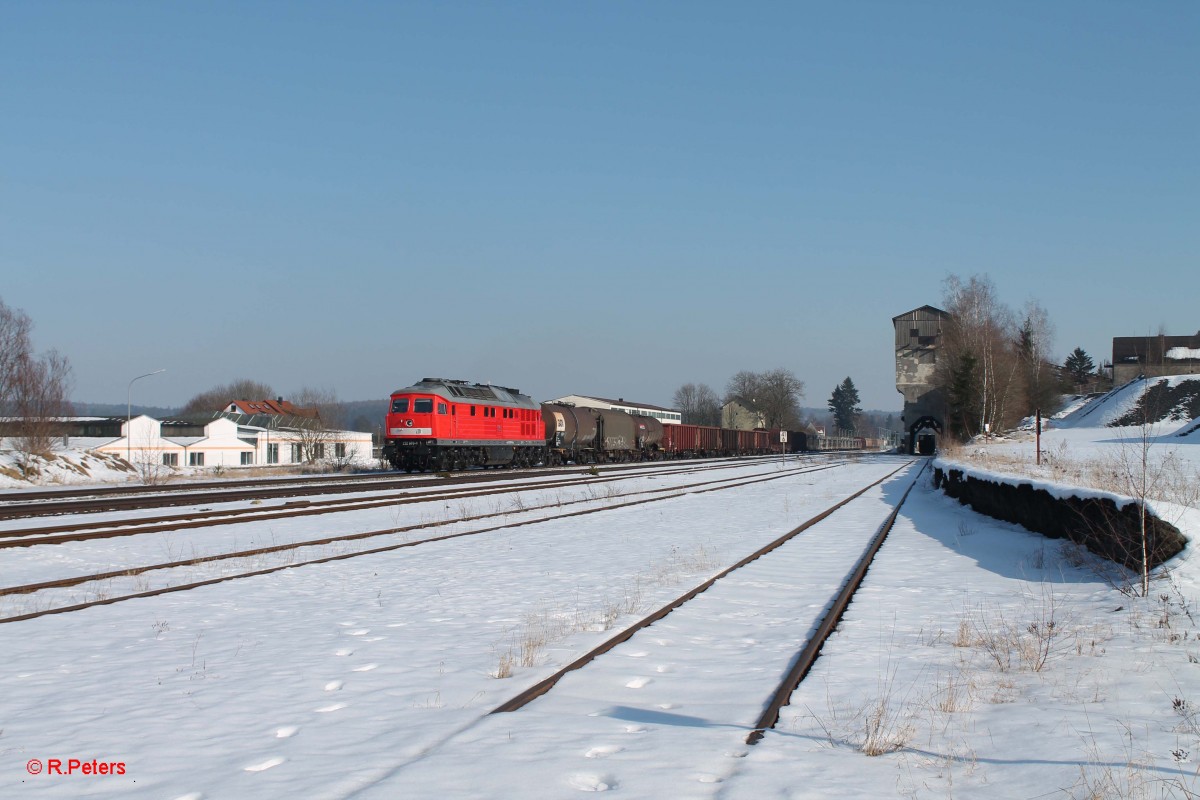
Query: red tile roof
x,y
279,406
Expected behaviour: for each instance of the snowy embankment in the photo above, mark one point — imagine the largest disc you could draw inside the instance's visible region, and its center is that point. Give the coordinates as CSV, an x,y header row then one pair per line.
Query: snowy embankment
x,y
1097,465
66,466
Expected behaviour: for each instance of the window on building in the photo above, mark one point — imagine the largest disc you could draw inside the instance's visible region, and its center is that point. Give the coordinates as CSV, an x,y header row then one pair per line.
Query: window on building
x,y
318,450
339,450
272,454
247,458
170,459
297,454
195,459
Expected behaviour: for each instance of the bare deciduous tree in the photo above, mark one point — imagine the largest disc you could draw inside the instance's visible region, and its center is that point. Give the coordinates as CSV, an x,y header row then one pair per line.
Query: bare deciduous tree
x,y
216,398
14,346
698,404
776,393
40,401
317,437
978,366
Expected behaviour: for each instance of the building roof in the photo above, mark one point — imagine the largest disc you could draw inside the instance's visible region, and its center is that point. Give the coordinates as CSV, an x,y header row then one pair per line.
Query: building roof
x,y
277,406
620,401
922,313
744,403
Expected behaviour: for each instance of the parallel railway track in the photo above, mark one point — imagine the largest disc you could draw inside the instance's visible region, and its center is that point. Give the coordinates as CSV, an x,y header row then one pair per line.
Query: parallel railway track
x,y
83,530
646,496
20,505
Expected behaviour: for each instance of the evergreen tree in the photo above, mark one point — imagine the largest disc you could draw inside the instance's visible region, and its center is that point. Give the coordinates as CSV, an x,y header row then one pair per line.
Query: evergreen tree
x,y
1079,366
963,402
843,404
1041,380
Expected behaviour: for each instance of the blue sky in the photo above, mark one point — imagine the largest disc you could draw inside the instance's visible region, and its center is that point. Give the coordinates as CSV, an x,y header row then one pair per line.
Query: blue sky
x,y
609,198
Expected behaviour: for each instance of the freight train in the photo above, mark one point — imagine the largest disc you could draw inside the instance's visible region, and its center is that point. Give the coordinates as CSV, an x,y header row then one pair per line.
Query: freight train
x,y
441,424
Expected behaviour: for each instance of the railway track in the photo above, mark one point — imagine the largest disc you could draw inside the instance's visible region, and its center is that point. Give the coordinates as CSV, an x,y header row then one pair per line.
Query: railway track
x,y
34,592
808,655
807,576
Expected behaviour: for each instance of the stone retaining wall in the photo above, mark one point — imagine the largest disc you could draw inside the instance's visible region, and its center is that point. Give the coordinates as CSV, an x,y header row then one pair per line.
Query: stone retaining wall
x,y
1095,522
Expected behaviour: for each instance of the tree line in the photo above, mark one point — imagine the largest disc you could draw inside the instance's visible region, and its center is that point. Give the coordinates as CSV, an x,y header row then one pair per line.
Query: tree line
x,y
995,365
775,394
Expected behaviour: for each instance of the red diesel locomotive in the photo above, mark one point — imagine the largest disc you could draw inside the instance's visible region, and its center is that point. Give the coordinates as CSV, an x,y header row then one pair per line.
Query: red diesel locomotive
x,y
444,424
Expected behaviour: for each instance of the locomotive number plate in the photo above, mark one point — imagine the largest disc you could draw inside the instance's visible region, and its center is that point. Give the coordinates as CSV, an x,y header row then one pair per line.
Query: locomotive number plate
x,y
410,431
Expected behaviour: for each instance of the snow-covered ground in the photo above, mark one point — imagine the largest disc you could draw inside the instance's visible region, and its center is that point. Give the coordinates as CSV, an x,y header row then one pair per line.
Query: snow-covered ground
x,y
1084,446
73,465
978,661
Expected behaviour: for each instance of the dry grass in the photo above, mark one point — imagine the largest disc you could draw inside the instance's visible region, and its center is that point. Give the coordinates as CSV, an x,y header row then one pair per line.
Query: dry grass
x,y
1130,774
504,666
953,694
1172,479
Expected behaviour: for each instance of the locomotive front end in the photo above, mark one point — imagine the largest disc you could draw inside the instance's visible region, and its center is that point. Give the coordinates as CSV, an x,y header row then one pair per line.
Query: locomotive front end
x,y
411,432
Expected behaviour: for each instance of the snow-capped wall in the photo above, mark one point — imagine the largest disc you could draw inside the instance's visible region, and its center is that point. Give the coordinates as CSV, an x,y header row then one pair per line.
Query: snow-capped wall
x,y
1106,525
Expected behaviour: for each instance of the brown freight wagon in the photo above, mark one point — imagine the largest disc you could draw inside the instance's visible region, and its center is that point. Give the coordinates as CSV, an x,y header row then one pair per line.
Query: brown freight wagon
x,y
687,441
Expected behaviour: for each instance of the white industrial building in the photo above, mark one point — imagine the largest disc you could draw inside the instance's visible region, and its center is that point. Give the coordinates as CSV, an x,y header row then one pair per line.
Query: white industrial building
x,y
226,441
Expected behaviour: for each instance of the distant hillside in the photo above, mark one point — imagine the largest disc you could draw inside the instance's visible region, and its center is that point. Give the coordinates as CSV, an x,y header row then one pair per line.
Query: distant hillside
x,y
364,415
357,415
83,409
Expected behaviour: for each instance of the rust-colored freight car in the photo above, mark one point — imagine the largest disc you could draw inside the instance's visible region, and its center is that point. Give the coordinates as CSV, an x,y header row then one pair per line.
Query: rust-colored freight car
x,y
690,441
695,441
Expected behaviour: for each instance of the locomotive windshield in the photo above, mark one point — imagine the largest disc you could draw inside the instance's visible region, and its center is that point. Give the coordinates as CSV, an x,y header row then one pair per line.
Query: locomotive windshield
x,y
400,405
423,406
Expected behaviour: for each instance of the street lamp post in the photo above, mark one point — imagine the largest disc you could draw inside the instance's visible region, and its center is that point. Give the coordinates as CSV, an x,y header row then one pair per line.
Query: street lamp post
x,y
129,414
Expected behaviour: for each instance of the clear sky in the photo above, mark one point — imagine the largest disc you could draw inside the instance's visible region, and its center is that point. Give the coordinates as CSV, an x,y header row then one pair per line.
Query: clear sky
x,y
609,198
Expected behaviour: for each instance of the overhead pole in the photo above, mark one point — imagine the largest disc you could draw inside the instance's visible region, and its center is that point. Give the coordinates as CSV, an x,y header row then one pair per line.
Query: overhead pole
x,y
129,414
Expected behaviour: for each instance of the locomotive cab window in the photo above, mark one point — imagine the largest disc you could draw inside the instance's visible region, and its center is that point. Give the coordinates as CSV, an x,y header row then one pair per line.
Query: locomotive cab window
x,y
423,406
400,405
441,408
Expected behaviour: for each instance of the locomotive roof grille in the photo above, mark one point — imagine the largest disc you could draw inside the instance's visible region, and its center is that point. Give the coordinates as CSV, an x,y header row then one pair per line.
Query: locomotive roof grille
x,y
471,391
